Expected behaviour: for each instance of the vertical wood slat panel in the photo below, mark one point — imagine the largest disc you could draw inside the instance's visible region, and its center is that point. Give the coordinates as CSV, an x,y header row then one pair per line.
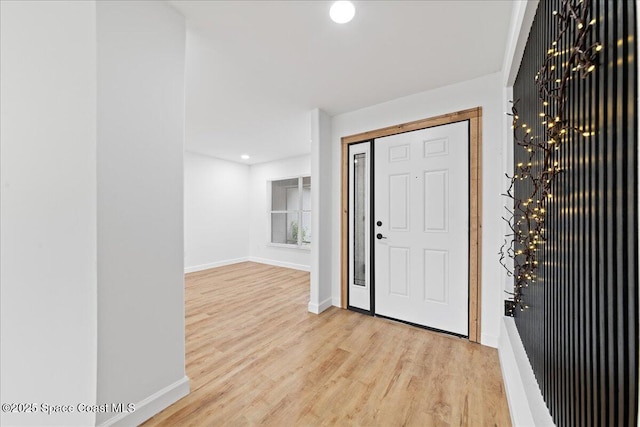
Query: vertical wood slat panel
x,y
632,315
581,330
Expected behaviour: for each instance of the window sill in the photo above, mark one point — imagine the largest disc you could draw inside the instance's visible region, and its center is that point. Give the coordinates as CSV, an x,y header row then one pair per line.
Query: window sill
x,y
306,248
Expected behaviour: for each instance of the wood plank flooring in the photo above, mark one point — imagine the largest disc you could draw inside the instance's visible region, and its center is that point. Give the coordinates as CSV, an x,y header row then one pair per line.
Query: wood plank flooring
x,y
256,356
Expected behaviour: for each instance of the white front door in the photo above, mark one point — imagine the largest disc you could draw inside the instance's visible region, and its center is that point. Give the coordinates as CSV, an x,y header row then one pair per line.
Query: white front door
x,y
421,192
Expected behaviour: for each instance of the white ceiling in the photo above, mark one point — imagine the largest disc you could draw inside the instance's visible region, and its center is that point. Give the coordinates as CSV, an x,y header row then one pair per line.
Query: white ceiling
x,y
256,68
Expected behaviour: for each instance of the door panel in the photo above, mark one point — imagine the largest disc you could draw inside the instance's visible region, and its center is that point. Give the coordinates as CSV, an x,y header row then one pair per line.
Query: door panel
x,y
399,271
436,147
399,153
436,201
422,247
435,278
399,202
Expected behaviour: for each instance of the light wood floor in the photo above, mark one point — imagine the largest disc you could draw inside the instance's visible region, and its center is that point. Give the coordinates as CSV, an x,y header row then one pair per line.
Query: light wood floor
x,y
256,356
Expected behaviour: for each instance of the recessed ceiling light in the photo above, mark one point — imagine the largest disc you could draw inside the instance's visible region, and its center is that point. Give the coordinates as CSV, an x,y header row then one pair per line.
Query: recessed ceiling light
x,y
245,157
342,12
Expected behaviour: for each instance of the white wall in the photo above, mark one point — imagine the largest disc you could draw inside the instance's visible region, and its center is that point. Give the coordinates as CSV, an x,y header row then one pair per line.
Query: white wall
x,y
485,92
260,250
140,60
216,212
321,205
48,209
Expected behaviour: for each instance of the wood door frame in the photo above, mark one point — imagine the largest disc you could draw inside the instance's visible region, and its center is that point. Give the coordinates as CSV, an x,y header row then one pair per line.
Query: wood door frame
x,y
474,116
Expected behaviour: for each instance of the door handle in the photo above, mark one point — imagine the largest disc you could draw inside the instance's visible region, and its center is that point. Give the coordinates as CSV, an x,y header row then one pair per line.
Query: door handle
x,y
380,236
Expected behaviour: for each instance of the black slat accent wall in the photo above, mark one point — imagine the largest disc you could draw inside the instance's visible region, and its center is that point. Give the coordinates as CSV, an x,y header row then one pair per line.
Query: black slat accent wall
x,y
580,331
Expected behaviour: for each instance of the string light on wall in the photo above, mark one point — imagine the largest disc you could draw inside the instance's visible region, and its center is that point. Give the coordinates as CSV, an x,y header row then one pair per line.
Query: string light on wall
x,y
541,167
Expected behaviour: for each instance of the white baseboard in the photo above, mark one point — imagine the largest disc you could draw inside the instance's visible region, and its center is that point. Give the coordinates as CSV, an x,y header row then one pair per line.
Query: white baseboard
x,y
336,302
150,406
280,263
201,267
319,308
526,404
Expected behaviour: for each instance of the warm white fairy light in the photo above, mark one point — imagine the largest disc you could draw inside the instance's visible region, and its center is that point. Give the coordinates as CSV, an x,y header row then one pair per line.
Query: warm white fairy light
x,y
541,169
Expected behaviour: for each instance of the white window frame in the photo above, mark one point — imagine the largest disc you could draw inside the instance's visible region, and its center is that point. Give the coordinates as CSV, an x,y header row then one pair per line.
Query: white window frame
x,y
299,212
